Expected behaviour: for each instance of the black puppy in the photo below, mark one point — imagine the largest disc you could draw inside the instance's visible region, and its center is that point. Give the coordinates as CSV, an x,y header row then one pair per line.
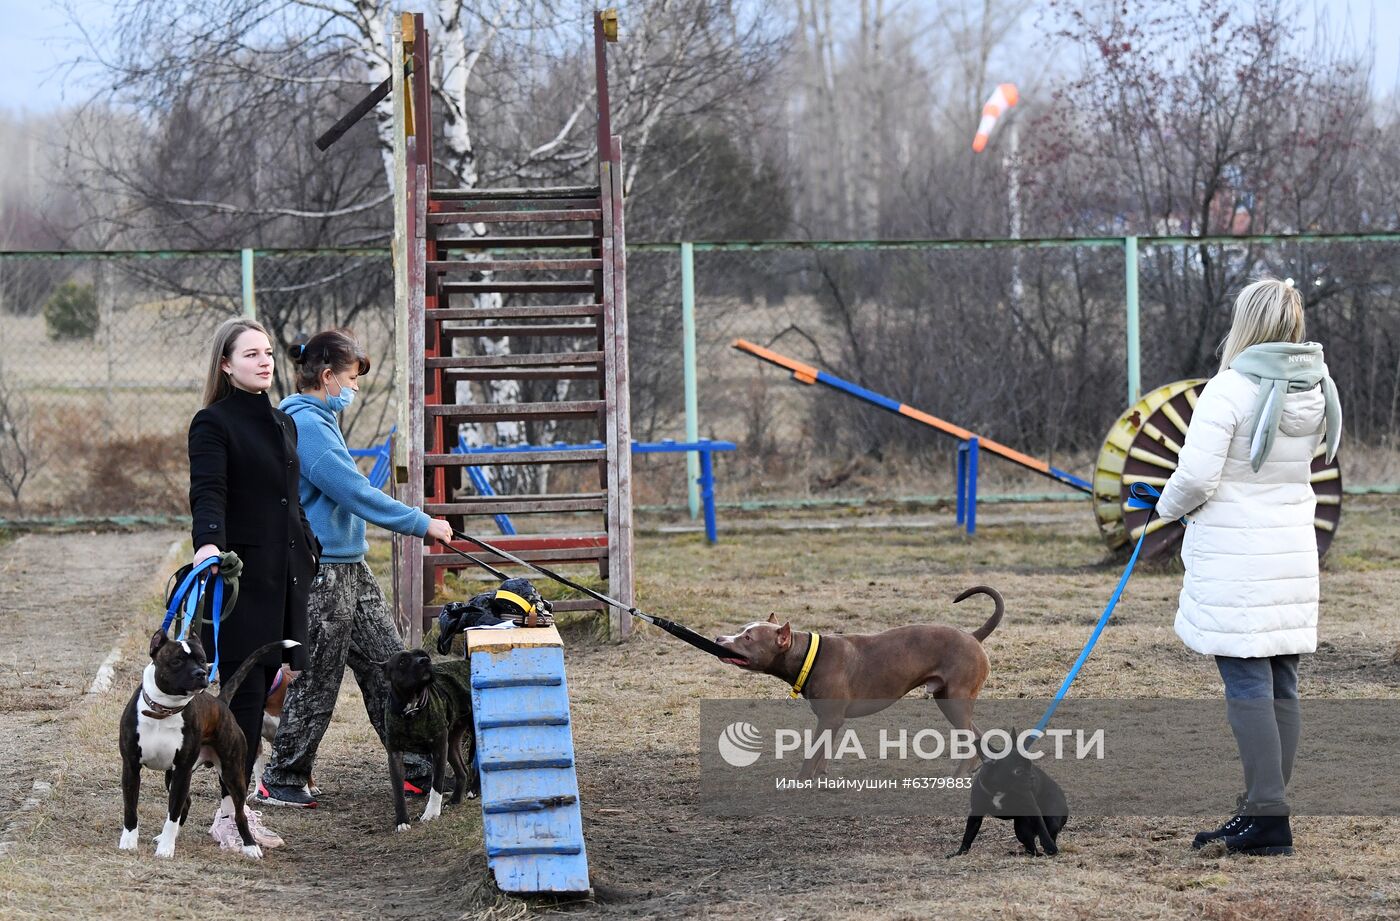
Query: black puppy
x,y
429,711
1012,787
513,601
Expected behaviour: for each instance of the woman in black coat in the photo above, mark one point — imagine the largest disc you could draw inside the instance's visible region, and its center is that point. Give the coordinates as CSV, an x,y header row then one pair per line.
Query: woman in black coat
x,y
244,475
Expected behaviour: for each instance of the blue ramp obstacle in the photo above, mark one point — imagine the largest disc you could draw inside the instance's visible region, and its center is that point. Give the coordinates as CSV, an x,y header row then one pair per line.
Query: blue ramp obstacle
x,y
531,823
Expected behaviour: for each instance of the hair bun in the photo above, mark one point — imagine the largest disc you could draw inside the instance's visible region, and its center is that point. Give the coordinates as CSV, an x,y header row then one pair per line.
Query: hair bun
x,y
297,351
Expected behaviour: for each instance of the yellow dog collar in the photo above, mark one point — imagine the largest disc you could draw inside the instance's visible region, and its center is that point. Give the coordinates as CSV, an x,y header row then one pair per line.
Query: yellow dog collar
x,y
806,665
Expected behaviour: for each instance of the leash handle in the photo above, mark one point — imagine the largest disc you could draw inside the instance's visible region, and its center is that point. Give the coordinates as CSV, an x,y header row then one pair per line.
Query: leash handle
x,y
1144,498
178,597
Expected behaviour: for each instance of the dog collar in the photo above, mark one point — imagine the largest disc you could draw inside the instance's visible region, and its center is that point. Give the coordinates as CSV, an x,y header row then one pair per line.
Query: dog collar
x,y
418,704
515,599
806,665
161,711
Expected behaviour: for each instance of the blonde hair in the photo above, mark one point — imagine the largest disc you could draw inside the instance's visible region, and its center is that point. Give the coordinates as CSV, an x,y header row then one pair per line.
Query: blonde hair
x,y
1268,310
216,383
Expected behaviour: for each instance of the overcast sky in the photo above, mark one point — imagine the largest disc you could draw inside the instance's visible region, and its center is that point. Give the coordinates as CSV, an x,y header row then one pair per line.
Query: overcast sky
x,y
37,38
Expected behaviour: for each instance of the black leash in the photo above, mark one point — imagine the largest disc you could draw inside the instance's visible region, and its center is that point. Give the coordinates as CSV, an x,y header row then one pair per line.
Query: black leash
x,y
670,626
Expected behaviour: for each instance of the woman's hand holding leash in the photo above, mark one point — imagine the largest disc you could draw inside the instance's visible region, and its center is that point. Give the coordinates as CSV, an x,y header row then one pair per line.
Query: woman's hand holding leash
x,y
203,553
439,530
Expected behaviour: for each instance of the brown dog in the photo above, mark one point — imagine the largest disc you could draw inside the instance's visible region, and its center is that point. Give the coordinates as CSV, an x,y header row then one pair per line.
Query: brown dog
x,y
859,674
272,721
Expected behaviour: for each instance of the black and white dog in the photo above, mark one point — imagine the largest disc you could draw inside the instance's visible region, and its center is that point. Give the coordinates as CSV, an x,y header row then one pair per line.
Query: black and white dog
x,y
171,725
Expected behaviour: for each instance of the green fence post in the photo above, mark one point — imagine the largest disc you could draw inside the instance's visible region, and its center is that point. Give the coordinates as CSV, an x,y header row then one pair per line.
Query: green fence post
x,y
1130,272
250,308
692,421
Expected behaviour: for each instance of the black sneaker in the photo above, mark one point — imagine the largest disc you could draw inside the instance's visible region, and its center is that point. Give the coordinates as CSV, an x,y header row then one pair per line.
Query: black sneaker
x,y
278,795
1233,826
1265,836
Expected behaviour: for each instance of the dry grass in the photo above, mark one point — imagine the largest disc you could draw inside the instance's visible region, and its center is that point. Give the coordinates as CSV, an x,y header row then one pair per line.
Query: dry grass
x,y
654,849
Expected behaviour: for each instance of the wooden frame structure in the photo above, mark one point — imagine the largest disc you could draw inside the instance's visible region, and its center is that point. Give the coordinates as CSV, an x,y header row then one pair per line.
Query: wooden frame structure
x,y
451,249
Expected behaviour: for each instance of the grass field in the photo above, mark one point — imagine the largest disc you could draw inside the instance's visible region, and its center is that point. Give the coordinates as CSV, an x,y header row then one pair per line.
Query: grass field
x,y
654,848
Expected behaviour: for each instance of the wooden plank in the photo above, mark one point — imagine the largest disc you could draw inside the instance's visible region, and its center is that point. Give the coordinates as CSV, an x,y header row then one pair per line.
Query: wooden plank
x,y
507,217
570,373
620,537
495,412
523,241
451,561
517,360
464,206
518,312
516,265
542,329
512,639
556,191
517,287
403,574
523,505
484,459
431,611
619,622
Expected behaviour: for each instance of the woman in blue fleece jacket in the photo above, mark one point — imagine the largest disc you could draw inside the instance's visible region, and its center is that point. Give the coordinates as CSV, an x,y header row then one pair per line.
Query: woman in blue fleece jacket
x,y
349,620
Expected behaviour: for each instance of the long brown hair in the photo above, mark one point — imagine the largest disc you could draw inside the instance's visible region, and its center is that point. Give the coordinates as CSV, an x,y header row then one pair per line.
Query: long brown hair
x,y
216,383
335,349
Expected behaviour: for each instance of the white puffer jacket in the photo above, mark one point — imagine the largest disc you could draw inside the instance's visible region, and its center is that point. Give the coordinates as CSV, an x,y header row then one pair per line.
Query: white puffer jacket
x,y
1250,550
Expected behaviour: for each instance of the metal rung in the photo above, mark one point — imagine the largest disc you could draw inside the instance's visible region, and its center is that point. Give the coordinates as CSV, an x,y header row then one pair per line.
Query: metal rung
x,y
553,191
582,286
529,804
522,241
526,850
504,217
527,764
497,332
519,505
515,265
481,459
543,312
488,412
524,681
515,360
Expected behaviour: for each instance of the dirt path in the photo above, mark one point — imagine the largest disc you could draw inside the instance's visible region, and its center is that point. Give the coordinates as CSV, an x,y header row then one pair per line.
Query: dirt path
x,y
64,601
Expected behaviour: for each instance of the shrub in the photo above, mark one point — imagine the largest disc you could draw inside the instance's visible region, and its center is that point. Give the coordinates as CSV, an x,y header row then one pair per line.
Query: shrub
x,y
71,312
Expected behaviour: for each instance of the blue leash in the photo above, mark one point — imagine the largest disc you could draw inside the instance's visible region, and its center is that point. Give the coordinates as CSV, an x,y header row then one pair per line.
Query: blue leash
x,y
1140,496
189,595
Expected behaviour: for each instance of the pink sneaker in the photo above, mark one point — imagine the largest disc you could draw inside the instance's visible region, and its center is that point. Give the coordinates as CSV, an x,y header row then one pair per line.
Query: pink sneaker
x,y
225,832
263,835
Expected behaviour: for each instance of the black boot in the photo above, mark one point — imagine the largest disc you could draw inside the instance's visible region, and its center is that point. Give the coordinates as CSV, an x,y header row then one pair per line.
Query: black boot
x,y
1266,836
1233,826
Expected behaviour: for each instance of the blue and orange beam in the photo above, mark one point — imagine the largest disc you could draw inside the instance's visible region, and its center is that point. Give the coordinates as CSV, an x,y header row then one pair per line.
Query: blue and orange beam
x,y
807,374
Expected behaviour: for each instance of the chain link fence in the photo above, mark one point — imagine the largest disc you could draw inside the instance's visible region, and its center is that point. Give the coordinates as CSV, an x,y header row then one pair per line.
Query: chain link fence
x,y
102,357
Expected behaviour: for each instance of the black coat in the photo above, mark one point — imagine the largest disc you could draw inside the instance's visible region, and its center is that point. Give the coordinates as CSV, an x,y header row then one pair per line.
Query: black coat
x,y
244,475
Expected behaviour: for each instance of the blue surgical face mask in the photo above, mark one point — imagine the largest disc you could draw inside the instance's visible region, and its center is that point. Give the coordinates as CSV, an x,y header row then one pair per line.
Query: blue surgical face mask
x,y
339,401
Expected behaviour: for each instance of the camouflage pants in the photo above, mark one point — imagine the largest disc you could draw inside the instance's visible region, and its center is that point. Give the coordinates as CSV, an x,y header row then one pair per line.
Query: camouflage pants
x,y
349,624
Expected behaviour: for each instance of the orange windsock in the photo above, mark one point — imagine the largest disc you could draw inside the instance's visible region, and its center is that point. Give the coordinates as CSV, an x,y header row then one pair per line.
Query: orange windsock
x,y
1002,98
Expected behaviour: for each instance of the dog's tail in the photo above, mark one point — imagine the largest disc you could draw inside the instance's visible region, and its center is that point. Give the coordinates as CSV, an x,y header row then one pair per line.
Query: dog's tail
x,y
984,631
227,688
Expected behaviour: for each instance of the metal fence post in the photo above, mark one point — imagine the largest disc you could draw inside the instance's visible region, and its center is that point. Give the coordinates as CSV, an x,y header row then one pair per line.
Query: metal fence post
x,y
250,308
1130,284
692,422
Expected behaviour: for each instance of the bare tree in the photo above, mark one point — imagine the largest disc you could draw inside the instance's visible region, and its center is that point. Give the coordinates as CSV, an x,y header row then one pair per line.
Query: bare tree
x,y
20,456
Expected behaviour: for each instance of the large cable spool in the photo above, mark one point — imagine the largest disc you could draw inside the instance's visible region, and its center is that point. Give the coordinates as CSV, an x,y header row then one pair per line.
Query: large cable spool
x,y
1142,446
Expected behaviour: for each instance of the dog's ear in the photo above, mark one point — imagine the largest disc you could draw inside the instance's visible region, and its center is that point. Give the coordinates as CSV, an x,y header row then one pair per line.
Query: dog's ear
x,y
772,617
785,637
158,639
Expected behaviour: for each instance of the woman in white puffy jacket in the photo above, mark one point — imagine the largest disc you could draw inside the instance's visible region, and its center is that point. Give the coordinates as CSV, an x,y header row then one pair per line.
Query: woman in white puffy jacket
x,y
1250,594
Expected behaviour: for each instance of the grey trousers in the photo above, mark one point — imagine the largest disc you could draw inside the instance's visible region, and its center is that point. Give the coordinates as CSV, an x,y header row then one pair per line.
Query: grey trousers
x,y
349,624
1261,701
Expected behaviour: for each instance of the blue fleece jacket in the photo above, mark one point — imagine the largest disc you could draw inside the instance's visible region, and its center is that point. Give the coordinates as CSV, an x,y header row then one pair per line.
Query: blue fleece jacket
x,y
337,497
